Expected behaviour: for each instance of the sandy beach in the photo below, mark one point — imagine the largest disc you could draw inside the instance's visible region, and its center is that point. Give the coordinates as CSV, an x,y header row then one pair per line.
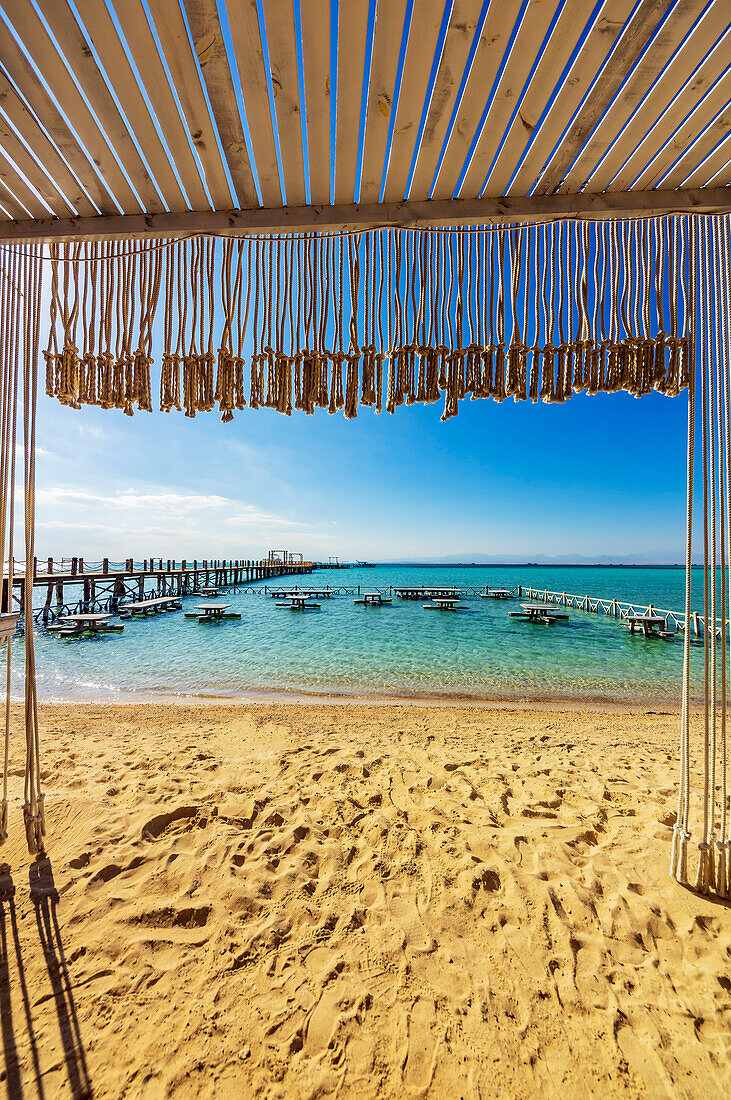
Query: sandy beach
x,y
359,901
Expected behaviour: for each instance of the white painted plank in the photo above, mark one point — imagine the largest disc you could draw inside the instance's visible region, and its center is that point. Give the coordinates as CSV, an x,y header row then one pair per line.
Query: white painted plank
x,y
210,48
493,43
596,48
12,147
352,36
528,41
45,150
35,106
423,36
485,211
246,36
556,55
173,35
462,28
717,165
639,29
9,202
38,44
390,15
315,16
659,116
75,48
714,145
87,75
279,15
143,47
640,84
17,189
104,37
684,140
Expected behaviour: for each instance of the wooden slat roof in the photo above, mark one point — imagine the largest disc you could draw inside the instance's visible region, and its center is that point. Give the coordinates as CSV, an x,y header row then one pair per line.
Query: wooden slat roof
x,y
160,108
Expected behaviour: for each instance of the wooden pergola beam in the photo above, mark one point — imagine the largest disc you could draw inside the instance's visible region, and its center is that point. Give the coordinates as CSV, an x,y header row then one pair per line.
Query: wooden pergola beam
x,y
406,215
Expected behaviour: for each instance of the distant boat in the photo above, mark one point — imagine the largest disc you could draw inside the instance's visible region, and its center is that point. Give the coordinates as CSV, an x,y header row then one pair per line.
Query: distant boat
x,y
366,564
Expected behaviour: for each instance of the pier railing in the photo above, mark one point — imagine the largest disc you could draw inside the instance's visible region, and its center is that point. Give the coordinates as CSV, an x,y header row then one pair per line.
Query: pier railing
x,y
620,609
65,568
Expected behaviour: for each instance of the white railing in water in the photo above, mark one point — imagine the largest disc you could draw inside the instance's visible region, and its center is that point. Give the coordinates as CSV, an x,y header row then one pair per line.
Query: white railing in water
x,y
619,609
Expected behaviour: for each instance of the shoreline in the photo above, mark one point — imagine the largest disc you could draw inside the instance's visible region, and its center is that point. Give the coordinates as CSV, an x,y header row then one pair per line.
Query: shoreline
x,y
299,697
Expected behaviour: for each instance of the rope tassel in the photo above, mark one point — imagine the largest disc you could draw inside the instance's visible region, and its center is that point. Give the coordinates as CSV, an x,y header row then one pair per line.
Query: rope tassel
x,y
593,318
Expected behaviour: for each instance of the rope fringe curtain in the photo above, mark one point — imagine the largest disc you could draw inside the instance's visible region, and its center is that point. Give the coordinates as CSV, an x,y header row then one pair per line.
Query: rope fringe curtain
x,y
20,308
707,817
530,312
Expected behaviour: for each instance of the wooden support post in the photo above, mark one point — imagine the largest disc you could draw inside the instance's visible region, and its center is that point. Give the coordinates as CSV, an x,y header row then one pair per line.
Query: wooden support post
x,y
87,595
74,565
105,566
47,604
59,593
50,565
81,565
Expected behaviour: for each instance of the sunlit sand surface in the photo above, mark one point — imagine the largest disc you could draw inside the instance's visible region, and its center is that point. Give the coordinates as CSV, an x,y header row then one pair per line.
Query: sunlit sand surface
x,y
380,901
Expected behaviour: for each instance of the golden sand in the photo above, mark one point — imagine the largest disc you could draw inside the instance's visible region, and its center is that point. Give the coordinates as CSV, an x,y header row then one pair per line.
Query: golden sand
x,y
360,901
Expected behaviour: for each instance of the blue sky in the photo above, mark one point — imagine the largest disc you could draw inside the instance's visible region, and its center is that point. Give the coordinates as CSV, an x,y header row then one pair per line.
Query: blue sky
x,y
598,476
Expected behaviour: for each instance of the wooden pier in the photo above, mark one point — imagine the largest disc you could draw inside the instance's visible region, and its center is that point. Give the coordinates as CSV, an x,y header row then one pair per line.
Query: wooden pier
x,y
75,586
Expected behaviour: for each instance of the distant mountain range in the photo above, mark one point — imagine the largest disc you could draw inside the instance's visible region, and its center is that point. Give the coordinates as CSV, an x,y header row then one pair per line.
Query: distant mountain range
x,y
543,560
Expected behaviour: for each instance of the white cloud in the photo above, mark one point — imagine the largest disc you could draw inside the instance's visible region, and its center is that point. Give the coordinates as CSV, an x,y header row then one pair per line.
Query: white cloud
x,y
41,452
163,521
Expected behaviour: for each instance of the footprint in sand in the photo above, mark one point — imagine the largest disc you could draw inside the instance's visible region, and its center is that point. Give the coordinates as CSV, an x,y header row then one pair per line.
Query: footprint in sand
x,y
169,917
177,821
424,1042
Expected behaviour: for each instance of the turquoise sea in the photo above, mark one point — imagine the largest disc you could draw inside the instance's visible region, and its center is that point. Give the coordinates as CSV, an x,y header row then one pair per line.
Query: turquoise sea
x,y
398,650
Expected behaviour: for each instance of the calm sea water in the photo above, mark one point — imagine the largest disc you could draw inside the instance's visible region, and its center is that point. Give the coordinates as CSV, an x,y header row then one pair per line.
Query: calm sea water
x,y
397,650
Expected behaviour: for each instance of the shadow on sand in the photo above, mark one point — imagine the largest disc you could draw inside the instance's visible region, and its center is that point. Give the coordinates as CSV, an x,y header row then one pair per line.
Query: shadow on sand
x,y
44,895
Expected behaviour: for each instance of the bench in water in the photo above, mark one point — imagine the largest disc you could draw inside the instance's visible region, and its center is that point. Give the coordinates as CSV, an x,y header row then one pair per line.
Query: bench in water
x,y
373,599
545,613
300,602
212,613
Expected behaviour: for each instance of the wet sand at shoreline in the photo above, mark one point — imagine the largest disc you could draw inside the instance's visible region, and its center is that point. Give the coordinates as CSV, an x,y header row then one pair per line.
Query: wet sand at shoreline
x,y
373,900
